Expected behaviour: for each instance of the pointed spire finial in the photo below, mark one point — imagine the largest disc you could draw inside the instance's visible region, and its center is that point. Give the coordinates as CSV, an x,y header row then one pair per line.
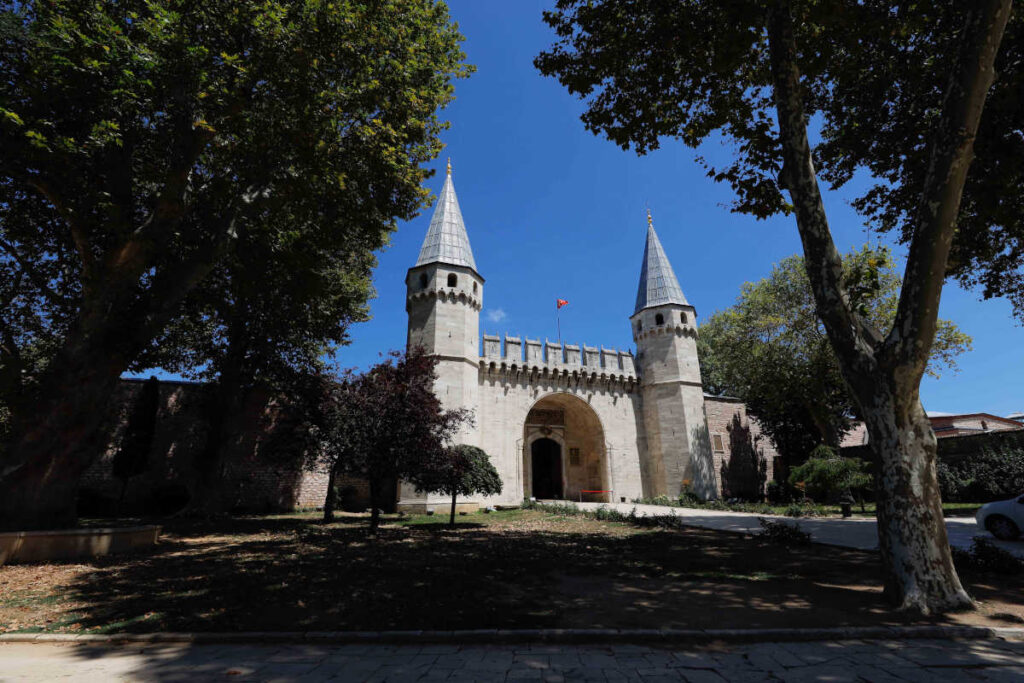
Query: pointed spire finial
x,y
449,165
446,240
658,283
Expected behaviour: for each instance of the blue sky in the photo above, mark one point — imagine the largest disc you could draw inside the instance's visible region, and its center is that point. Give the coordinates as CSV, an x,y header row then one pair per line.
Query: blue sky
x,y
554,211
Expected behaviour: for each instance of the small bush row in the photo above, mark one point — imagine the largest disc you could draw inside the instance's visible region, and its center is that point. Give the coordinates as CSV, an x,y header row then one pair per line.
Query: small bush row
x,y
985,556
687,500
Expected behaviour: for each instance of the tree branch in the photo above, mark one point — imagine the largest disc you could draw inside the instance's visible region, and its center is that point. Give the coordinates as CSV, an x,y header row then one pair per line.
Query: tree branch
x,y
36,279
952,150
79,235
824,265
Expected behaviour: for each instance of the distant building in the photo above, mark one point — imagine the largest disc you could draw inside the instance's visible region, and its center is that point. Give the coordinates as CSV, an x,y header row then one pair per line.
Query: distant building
x,y
948,424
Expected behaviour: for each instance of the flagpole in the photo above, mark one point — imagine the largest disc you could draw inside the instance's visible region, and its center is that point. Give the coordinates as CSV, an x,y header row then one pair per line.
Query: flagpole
x,y
558,317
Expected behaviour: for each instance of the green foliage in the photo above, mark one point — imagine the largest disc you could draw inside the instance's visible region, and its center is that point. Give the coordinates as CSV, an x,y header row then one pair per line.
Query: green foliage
x,y
462,470
982,478
825,475
770,349
874,73
783,533
804,509
384,425
178,180
986,556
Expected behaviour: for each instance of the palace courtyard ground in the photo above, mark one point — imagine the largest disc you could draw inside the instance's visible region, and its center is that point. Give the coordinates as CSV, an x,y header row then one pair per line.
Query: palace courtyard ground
x,y
515,569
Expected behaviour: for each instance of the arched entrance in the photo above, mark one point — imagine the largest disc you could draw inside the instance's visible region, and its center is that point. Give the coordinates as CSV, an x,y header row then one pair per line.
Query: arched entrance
x,y
546,462
564,451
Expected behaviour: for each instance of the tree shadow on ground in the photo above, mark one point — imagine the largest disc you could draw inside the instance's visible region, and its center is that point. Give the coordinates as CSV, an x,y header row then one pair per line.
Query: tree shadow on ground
x,y
291,574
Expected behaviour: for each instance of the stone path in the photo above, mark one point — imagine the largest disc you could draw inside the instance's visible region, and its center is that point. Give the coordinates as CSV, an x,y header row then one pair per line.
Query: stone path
x,y
833,661
855,532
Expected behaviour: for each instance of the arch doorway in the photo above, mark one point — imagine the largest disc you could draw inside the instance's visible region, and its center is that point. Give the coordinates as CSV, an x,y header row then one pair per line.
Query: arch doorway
x,y
546,456
564,453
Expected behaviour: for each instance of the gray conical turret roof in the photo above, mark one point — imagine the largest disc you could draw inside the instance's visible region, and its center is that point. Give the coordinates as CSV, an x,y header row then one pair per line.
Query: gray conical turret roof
x,y
658,283
446,240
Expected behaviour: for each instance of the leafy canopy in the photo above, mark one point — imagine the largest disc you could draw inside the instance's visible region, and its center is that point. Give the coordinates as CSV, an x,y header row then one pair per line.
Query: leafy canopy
x,y
149,143
771,350
874,76
464,471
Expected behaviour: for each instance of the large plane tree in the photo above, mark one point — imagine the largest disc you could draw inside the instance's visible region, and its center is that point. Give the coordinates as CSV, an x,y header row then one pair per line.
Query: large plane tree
x,y
142,141
758,73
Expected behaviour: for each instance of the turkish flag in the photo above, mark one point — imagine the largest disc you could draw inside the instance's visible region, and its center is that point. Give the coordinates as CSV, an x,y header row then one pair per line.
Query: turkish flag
x,y
561,302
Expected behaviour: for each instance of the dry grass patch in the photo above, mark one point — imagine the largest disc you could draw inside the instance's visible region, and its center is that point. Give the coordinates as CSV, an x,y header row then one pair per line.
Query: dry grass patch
x,y
510,569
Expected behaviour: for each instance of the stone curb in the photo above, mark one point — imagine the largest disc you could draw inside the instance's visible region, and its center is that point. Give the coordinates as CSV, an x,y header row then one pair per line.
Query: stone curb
x,y
503,636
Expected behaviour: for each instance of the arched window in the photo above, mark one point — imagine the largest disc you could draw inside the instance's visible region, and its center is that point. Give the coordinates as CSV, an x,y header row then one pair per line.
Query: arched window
x,y
659,319
639,326
453,280
423,280
474,288
682,316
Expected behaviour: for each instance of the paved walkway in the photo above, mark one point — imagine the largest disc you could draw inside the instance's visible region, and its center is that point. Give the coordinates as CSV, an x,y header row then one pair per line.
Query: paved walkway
x,y
907,660
854,532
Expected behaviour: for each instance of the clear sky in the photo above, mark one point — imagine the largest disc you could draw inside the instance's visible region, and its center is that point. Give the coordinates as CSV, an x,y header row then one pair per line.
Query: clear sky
x,y
554,211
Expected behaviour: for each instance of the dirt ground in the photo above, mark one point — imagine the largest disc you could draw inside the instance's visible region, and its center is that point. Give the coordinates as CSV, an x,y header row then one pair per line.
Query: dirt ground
x,y
511,569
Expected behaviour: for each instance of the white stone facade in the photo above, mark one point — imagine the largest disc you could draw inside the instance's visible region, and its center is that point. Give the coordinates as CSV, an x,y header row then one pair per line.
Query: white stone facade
x,y
579,424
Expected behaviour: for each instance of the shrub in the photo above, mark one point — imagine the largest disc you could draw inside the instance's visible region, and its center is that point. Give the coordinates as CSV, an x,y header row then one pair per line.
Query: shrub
x,y
781,492
783,533
986,556
990,475
827,475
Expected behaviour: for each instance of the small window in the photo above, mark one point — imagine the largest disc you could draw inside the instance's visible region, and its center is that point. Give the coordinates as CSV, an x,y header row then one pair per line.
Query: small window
x,y
639,326
423,280
474,288
453,280
574,456
682,317
717,444
659,319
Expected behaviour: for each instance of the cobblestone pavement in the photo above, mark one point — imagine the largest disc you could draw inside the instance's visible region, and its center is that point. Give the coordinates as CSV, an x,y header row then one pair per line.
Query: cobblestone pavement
x,y
855,532
832,661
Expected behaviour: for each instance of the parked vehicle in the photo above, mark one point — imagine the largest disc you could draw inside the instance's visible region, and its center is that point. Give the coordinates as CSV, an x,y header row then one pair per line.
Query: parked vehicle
x,y
1003,518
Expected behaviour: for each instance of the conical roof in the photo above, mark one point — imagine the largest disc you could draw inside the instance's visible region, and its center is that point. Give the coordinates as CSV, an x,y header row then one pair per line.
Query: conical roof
x,y
446,240
658,283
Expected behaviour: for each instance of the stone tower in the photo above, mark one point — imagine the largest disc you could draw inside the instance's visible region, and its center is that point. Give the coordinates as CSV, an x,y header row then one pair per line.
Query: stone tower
x,y
665,330
444,295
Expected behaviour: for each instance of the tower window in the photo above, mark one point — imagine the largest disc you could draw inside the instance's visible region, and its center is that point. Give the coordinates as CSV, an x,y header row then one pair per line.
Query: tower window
x,y
474,288
659,319
423,280
453,280
639,326
682,316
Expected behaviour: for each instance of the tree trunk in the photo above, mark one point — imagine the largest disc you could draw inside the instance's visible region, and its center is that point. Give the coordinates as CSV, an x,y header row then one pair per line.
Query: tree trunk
x,y
884,372
330,500
912,538
55,440
451,518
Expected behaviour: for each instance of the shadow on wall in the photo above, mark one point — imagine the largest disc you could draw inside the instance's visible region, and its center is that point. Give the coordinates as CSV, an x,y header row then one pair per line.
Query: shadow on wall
x,y
261,471
745,473
702,463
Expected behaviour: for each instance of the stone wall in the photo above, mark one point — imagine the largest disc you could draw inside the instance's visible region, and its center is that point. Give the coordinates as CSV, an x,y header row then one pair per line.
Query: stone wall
x,y
256,477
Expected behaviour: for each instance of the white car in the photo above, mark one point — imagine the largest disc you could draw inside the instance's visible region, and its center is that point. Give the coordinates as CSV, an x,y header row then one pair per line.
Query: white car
x,y
1004,518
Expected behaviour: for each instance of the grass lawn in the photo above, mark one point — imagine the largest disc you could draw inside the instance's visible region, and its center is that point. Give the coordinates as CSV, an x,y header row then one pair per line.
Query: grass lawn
x,y
509,569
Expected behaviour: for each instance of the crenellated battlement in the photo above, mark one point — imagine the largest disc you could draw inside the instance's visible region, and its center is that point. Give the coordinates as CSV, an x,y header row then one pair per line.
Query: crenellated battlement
x,y
549,360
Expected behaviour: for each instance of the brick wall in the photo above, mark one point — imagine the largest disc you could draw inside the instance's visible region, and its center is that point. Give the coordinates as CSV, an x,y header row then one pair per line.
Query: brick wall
x,y
721,414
